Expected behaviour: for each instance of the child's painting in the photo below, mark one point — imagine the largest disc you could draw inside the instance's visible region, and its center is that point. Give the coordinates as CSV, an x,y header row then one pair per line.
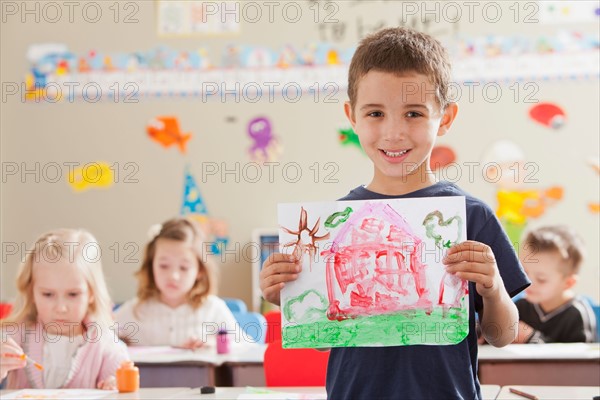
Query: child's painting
x,y
372,273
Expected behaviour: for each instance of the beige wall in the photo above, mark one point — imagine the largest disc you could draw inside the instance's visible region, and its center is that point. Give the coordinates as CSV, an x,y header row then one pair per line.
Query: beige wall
x,y
120,217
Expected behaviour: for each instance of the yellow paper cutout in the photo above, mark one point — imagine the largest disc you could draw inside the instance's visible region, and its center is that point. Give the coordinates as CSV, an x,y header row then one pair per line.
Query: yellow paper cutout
x,y
516,206
91,175
594,206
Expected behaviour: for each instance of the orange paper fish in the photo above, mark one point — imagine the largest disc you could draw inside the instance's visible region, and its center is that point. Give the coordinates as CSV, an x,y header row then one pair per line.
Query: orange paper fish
x,y
165,130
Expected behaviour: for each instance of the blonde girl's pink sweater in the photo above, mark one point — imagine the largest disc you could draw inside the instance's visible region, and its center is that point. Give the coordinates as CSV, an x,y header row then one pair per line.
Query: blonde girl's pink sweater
x,y
96,360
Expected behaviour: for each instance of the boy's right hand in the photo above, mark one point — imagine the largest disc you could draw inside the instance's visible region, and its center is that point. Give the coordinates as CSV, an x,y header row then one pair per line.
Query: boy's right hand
x,y
278,269
10,359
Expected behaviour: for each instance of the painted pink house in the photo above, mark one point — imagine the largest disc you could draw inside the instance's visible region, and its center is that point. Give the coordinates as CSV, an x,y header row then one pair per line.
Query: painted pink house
x,y
374,265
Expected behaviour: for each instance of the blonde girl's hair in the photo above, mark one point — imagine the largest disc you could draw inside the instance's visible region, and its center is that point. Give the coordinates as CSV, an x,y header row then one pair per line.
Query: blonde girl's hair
x,y
75,246
182,230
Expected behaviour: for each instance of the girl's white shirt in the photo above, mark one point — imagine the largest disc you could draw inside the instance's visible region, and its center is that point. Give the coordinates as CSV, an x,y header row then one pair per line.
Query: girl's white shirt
x,y
155,324
59,351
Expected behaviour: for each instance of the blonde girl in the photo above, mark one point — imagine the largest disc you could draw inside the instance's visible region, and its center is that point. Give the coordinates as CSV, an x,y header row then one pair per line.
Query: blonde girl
x,y
175,303
61,318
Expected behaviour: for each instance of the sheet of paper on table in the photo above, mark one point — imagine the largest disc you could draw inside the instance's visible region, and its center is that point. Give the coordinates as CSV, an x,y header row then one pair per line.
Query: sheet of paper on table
x,y
79,394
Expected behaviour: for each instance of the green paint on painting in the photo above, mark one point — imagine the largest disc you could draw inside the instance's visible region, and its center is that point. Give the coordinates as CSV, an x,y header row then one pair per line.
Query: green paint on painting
x,y
440,327
431,226
312,313
337,218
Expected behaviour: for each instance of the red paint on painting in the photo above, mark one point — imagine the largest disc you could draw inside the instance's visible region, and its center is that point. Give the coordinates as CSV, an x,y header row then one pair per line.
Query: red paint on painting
x,y
374,265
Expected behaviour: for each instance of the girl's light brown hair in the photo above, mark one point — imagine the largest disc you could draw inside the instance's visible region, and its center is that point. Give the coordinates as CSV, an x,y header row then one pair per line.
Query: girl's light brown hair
x,y
400,51
182,230
63,245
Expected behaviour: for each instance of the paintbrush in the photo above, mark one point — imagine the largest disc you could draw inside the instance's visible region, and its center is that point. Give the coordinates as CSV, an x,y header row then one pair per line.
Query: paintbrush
x,y
24,357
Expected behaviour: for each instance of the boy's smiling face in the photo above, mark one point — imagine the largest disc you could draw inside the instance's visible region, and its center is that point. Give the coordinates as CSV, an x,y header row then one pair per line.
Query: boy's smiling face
x,y
397,119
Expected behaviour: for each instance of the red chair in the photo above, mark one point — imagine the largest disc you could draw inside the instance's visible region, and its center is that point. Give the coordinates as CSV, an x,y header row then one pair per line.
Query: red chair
x,y
294,367
273,326
5,309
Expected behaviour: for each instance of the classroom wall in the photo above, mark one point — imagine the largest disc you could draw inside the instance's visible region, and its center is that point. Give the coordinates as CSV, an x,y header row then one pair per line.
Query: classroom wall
x,y
121,215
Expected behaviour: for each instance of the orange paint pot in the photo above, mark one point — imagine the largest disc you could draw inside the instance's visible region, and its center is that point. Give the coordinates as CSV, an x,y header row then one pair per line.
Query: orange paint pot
x,y
128,377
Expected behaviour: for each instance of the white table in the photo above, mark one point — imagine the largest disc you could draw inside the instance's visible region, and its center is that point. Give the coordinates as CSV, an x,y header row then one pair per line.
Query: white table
x,y
540,364
551,392
488,392
152,393
223,393
164,366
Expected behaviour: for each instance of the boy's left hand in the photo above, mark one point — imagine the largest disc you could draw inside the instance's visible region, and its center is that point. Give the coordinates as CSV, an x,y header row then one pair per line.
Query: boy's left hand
x,y
475,262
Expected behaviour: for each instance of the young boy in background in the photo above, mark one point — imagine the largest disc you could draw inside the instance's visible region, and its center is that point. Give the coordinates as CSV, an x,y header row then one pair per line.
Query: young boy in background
x,y
398,87
550,311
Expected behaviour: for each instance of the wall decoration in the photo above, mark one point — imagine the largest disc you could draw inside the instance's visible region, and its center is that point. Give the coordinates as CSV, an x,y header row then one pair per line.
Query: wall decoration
x,y
565,12
266,146
347,137
548,114
441,156
594,162
57,74
507,168
93,175
193,206
372,273
193,17
165,131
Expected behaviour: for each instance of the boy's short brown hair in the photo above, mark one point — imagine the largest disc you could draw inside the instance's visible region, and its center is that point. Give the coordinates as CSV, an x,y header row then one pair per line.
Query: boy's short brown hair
x,y
401,50
558,238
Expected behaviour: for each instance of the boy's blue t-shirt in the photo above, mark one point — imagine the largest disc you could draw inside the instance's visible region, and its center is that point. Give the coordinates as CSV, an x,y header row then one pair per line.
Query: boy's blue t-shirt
x,y
424,371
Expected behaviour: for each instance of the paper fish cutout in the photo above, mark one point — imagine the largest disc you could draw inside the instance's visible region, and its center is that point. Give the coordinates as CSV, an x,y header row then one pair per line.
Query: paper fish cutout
x,y
548,114
441,156
349,137
91,175
165,131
